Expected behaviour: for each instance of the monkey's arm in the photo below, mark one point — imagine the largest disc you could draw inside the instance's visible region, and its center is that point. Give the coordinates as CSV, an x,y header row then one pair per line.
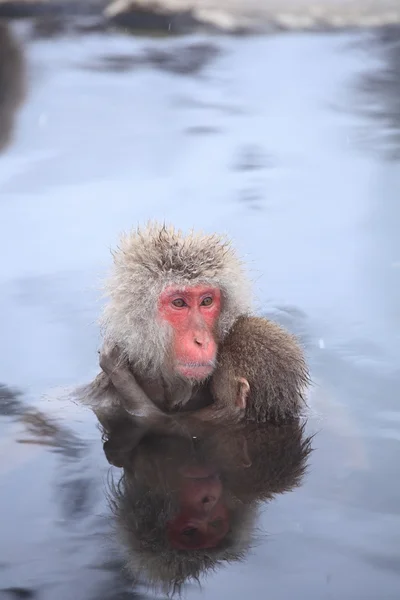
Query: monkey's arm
x,y
133,398
146,414
234,410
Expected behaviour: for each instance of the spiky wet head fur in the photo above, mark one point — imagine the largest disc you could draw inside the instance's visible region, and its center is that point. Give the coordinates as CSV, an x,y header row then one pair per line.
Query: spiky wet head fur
x,y
145,263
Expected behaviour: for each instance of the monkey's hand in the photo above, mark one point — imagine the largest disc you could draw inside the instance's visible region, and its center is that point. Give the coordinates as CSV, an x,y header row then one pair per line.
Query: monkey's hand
x,y
133,398
112,360
116,366
234,411
236,408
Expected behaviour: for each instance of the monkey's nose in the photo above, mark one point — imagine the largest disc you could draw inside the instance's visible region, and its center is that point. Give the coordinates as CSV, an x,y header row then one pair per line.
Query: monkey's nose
x,y
209,501
201,340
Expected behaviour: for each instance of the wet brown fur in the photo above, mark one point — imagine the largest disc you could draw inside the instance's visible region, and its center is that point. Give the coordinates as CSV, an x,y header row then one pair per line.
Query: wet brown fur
x,y
272,362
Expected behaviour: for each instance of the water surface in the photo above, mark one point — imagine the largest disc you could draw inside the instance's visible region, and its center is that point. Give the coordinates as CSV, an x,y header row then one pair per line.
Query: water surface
x,y
290,145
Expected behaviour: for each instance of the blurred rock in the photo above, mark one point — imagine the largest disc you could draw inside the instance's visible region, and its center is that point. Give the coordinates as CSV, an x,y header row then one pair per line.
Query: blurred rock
x,y
232,16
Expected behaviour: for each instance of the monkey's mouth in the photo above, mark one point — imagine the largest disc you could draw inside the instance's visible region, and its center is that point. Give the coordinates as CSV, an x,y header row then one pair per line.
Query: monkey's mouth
x,y
196,370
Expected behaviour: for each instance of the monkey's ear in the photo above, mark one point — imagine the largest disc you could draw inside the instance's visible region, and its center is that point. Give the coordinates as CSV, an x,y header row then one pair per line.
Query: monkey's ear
x,y
243,390
245,461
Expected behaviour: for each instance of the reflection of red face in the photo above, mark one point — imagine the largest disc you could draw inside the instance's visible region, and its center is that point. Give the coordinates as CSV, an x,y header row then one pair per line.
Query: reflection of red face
x,y
203,520
193,313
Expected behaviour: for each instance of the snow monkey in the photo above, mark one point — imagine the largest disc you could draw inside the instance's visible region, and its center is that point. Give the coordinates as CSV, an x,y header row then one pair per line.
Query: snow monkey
x,y
178,338
261,368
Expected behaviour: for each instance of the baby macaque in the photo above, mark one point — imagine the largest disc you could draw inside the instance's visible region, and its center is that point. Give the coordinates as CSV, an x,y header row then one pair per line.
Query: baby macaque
x,y
261,372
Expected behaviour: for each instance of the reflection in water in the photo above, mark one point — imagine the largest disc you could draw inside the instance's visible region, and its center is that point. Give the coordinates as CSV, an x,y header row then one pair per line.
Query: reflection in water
x,y
184,505
190,60
50,549
187,505
43,430
12,82
10,401
40,427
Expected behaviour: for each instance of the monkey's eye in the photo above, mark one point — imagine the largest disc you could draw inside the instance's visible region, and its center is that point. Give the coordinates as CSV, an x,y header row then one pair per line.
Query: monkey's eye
x,y
189,531
207,301
216,524
179,303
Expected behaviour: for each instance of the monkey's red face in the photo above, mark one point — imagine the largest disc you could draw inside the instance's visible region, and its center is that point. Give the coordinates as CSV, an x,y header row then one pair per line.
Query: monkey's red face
x,y
203,520
193,313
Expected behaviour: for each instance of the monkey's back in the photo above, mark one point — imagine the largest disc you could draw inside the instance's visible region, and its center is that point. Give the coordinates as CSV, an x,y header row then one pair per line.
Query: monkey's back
x,y
272,361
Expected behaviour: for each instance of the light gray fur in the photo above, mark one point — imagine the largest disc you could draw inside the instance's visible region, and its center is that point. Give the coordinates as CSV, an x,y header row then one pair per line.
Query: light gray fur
x,y
145,263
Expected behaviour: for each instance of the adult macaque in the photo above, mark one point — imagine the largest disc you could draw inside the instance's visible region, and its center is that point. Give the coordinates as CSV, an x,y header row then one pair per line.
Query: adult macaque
x,y
172,301
175,342
186,505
